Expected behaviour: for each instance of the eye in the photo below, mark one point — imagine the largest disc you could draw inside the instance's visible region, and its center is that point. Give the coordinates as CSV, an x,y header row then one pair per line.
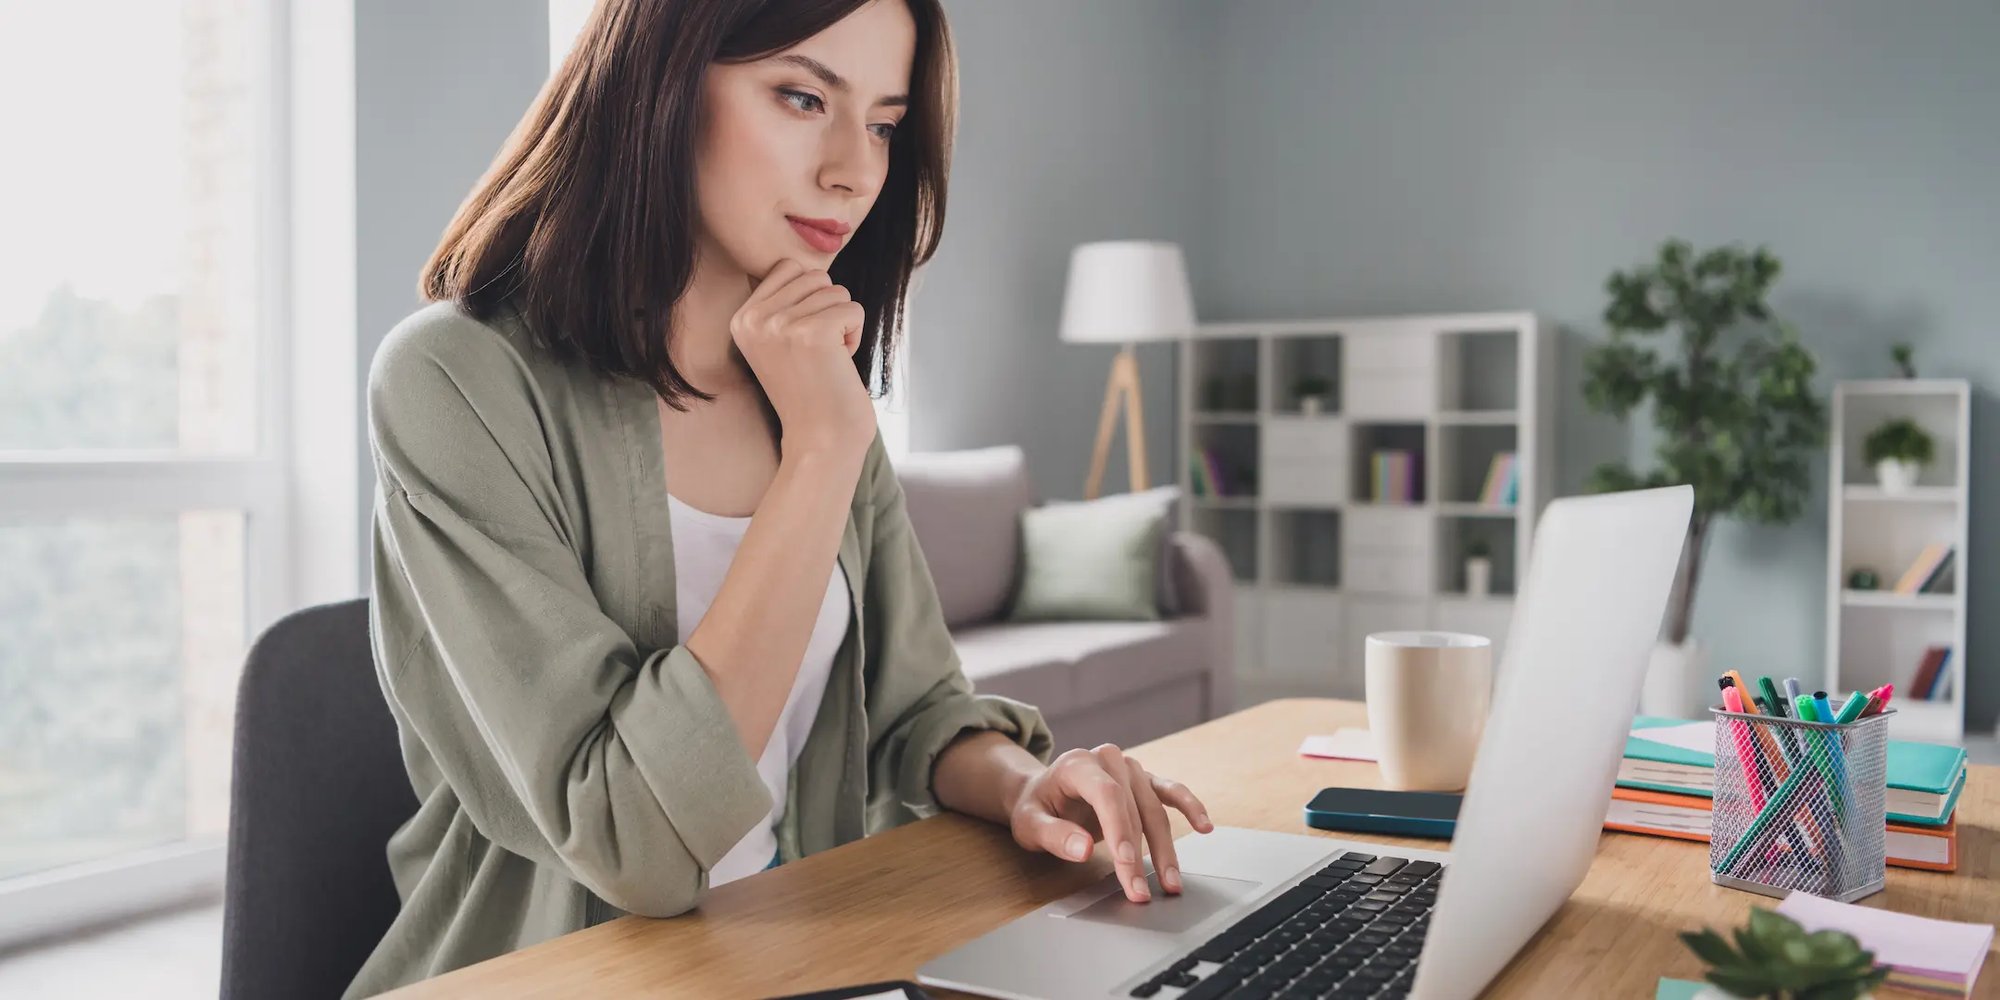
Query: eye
x,y
888,130
796,97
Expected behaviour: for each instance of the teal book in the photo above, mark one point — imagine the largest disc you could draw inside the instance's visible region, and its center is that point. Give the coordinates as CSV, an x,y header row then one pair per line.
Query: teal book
x,y
1678,989
1924,778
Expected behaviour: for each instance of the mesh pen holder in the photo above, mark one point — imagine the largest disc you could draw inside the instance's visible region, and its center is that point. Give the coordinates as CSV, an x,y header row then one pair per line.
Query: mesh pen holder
x,y
1799,805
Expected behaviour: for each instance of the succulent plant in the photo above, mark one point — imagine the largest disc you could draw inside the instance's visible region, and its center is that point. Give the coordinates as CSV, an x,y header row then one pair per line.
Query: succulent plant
x,y
1312,385
1775,957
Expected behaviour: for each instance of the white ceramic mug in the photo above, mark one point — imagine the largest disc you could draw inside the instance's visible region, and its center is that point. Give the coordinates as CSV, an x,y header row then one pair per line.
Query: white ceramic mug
x,y
1428,693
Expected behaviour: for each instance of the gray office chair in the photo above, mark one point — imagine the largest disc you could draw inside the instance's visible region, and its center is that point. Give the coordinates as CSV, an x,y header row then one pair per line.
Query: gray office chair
x,y
318,787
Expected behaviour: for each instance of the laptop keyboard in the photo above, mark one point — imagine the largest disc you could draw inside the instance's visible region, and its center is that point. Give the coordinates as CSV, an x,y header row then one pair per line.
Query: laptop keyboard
x,y
1354,929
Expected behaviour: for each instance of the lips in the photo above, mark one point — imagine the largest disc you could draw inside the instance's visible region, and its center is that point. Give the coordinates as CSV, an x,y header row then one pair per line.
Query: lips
x,y
823,235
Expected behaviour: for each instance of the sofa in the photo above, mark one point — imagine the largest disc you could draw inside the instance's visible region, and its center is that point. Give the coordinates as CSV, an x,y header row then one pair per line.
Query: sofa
x,y
1122,682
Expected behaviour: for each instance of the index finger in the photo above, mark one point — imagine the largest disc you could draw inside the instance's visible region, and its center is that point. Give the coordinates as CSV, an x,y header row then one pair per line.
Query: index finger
x,y
783,271
1112,803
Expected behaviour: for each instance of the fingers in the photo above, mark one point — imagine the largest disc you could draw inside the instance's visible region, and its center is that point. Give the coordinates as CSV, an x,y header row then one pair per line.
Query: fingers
x,y
1115,765
824,297
783,288
1175,794
1055,835
1159,831
777,277
1085,777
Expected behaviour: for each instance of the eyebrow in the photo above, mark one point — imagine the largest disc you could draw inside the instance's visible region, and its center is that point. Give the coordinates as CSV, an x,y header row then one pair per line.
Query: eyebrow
x,y
834,80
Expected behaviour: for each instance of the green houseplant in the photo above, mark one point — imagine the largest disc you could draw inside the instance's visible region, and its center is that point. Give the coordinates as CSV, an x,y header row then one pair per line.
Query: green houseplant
x,y
1898,450
1774,957
1732,403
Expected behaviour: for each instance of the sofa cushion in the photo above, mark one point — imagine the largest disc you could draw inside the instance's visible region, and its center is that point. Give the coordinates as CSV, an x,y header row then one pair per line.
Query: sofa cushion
x,y
1095,560
965,507
1061,666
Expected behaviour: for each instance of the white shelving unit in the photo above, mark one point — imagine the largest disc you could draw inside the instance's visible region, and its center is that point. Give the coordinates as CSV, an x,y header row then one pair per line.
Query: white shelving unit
x,y
1875,637
1319,566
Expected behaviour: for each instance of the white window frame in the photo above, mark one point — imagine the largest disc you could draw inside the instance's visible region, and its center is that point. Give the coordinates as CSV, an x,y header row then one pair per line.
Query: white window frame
x,y
304,468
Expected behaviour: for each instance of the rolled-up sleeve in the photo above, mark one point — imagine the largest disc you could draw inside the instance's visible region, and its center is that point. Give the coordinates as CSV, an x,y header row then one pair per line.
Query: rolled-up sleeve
x,y
918,697
563,743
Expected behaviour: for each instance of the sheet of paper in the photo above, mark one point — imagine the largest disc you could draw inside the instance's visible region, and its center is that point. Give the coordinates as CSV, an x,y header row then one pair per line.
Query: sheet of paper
x,y
1941,948
1344,744
1696,736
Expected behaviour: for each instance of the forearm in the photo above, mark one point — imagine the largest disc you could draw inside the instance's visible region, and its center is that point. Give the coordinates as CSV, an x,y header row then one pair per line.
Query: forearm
x,y
981,773
755,633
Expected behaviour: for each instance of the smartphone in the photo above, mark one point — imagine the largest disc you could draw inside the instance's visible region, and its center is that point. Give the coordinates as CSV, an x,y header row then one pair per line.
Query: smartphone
x,y
1372,810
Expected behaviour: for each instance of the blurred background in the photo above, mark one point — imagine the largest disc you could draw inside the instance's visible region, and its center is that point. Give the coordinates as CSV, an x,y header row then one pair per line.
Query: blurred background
x,y
212,210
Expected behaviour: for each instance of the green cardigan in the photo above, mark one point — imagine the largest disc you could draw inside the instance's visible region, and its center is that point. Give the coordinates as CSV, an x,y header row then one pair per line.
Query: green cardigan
x,y
573,763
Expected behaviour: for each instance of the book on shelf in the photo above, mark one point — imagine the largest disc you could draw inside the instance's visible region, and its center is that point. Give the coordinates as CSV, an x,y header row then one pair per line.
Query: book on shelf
x,y
1502,487
1927,570
1931,671
1688,817
1924,779
1940,579
1393,476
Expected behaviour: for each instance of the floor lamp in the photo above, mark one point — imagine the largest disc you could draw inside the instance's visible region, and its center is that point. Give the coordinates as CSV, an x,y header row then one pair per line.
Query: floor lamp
x,y
1124,292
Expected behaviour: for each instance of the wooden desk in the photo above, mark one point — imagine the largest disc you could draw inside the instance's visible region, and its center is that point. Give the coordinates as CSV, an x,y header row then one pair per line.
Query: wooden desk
x,y
879,908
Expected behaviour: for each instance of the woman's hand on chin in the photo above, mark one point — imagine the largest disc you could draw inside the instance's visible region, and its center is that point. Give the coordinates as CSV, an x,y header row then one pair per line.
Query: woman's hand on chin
x,y
1084,795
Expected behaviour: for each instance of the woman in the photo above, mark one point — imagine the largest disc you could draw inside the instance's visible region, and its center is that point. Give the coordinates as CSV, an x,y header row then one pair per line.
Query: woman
x,y
647,606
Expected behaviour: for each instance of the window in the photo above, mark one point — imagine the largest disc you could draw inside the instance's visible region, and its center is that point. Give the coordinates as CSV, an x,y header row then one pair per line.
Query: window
x,y
141,489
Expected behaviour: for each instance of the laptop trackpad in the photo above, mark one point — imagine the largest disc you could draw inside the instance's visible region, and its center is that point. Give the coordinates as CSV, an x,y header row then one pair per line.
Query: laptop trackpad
x,y
1201,897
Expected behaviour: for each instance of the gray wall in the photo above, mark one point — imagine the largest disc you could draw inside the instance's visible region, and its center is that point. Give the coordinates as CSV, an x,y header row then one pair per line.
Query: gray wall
x,y
1079,122
438,85
1421,156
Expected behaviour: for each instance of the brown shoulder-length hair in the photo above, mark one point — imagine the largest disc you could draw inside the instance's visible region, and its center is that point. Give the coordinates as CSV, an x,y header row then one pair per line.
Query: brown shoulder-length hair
x,y
585,222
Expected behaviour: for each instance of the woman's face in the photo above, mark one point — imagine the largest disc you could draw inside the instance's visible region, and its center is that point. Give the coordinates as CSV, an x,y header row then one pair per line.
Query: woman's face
x,y
794,147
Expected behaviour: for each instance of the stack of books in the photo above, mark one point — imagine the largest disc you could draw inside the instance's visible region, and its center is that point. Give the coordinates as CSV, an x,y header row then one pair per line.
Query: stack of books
x,y
1668,790
1503,482
1393,477
1930,573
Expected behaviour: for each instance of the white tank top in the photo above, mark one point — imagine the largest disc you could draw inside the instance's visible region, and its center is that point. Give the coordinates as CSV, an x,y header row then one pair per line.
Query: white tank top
x,y
704,546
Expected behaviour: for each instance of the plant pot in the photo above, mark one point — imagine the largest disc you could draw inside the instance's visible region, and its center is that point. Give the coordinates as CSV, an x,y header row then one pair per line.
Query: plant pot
x,y
1896,475
1478,576
1673,677
1309,405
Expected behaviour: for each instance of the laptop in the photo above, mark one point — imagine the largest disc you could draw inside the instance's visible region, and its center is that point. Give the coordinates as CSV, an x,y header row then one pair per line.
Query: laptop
x,y
1312,915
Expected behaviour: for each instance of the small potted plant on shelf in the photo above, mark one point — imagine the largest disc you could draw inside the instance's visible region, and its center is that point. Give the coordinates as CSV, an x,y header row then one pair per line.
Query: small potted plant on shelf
x,y
1478,568
1904,356
1312,391
1775,957
1898,450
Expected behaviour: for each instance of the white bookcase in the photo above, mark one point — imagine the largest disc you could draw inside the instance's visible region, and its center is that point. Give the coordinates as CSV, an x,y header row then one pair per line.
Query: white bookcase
x,y
1879,637
1318,566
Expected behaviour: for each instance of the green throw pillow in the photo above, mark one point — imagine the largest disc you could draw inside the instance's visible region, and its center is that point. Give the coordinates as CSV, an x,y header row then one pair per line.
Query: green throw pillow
x,y
1096,560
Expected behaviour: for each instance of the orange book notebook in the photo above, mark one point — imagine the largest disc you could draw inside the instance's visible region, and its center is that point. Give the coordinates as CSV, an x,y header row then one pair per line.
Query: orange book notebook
x,y
1686,817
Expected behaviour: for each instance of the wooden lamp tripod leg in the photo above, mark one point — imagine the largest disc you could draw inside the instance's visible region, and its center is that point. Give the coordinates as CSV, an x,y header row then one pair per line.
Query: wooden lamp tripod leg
x,y
1123,382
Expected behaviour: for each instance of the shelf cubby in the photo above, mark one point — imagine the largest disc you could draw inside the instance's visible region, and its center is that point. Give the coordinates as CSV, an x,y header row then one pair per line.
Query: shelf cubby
x,y
1296,358
1304,547
1369,438
1479,371
1224,376
1465,455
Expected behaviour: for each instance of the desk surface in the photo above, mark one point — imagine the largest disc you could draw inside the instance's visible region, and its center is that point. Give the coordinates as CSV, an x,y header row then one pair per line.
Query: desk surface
x,y
878,908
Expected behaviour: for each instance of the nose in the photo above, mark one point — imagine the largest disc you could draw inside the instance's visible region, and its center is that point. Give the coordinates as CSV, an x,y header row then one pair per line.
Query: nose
x,y
849,161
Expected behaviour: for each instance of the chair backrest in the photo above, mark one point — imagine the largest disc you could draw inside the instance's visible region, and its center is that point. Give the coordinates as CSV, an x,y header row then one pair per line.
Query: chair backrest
x,y
318,786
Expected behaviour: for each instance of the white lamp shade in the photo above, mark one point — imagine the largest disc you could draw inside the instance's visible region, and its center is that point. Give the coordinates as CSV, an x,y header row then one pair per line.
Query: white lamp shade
x,y
1126,290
